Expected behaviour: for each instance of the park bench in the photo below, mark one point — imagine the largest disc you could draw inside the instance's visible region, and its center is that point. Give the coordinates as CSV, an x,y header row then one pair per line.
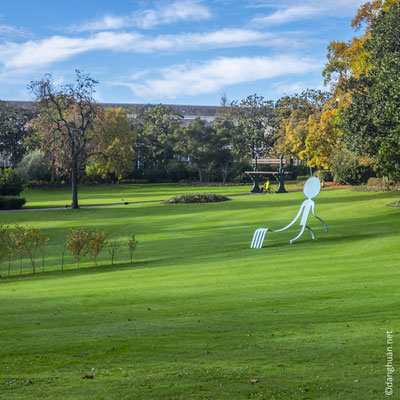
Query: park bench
x,y
257,175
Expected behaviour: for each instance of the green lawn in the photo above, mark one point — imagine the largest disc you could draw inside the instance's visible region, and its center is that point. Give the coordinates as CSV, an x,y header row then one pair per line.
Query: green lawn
x,y
199,314
112,194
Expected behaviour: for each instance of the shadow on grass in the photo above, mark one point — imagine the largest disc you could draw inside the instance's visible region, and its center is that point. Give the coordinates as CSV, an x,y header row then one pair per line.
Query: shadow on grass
x,y
58,273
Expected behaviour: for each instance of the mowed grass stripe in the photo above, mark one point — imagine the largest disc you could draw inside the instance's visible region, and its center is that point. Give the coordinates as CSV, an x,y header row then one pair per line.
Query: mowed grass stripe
x,y
198,314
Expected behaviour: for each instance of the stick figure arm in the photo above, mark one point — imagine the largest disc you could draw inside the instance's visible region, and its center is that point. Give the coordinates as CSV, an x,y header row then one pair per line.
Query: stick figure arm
x,y
295,219
313,213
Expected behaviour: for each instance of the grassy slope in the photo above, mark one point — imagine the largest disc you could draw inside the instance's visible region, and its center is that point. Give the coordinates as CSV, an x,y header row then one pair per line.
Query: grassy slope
x,y
199,314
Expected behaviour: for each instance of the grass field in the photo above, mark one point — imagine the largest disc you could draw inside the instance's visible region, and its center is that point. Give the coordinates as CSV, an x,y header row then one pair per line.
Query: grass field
x,y
112,194
198,314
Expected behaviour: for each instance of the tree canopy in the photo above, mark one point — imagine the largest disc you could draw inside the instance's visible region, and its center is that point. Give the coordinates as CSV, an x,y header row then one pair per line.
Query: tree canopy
x,y
66,124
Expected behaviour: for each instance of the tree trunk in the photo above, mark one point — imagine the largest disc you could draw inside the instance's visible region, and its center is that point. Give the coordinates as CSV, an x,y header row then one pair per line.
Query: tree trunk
x,y
53,174
200,175
224,173
74,179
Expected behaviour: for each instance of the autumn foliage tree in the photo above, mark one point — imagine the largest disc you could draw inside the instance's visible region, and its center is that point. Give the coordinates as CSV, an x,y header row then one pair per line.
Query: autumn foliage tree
x,y
117,142
66,124
294,114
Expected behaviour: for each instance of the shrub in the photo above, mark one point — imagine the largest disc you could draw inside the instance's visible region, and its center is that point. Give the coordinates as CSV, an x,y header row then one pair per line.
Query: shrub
x,y
132,181
96,243
44,185
77,242
237,174
11,183
29,241
376,185
394,204
177,170
348,169
11,202
380,183
324,175
196,198
34,167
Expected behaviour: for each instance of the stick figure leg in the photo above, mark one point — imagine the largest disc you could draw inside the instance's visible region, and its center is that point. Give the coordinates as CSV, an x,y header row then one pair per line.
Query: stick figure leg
x,y
311,231
323,223
301,232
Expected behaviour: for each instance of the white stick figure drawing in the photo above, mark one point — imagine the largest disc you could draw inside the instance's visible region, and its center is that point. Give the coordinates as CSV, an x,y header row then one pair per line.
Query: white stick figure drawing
x,y
311,189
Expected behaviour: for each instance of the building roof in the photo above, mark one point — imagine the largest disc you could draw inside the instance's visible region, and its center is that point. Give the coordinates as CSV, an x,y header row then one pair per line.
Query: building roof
x,y
188,112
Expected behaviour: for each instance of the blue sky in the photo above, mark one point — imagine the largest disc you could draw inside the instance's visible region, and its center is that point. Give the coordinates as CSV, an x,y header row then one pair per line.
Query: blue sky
x,y
174,51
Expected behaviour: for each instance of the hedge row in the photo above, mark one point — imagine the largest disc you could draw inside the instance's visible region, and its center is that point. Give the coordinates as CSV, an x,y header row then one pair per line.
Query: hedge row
x,y
11,202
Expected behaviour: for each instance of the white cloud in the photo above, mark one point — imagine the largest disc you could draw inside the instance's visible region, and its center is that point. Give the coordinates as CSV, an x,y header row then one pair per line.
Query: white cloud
x,y
289,11
223,38
212,76
287,15
165,13
57,48
12,31
35,54
108,22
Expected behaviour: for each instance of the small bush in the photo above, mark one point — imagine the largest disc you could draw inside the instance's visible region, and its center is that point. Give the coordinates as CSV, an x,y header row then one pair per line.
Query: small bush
x,y
11,183
325,175
349,169
376,185
77,242
196,198
11,202
96,243
394,204
380,183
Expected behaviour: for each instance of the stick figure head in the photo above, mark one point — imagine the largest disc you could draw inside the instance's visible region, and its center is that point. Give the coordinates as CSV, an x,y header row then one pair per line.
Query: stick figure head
x,y
312,187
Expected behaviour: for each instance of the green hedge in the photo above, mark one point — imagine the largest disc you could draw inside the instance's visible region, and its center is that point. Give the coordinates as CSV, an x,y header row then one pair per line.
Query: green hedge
x,y
11,184
11,202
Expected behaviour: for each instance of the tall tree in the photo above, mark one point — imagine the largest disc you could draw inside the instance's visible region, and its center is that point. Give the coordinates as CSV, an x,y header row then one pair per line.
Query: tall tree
x,y
256,122
371,122
66,123
226,134
195,141
155,129
293,113
322,138
351,58
14,130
